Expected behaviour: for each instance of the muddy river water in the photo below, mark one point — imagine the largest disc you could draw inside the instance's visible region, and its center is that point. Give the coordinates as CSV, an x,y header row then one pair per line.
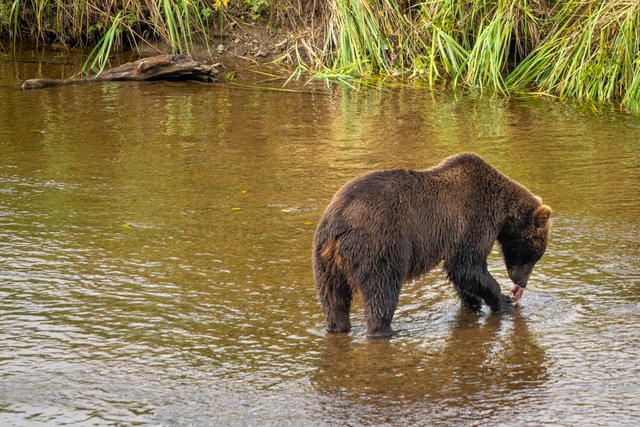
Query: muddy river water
x,y
155,246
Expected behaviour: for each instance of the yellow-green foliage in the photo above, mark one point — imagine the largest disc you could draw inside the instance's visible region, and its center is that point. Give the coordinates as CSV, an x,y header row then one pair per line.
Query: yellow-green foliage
x,y
577,49
592,53
108,25
582,49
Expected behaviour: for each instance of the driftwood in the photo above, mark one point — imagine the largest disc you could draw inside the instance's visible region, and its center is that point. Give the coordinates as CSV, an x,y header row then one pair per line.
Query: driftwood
x,y
161,67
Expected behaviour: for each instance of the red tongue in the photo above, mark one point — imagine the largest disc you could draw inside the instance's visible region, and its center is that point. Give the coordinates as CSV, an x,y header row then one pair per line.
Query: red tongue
x,y
516,293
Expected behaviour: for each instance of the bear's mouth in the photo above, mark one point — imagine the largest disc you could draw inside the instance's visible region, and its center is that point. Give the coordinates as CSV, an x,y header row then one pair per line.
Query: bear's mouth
x,y
516,293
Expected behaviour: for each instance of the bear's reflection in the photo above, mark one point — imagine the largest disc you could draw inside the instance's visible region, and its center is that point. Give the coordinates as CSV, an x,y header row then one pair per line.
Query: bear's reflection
x,y
481,357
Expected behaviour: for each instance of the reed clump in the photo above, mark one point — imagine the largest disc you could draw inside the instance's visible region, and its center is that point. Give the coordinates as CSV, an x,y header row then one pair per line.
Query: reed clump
x,y
591,53
110,25
572,49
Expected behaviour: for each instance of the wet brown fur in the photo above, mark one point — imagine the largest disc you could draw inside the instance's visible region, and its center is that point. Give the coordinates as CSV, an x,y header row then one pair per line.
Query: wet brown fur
x,y
388,227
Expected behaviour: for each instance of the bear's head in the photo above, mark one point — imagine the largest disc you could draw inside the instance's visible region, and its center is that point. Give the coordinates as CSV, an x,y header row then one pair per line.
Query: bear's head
x,y
524,241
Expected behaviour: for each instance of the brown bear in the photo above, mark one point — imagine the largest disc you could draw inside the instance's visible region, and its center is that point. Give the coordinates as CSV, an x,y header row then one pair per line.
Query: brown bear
x,y
388,227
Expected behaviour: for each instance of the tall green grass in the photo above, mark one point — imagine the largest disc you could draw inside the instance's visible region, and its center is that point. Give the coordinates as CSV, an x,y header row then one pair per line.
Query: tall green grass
x,y
363,35
471,42
591,53
109,25
573,49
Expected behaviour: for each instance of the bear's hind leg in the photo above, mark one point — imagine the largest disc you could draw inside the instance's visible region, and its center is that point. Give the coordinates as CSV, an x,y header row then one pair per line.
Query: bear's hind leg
x,y
380,302
335,297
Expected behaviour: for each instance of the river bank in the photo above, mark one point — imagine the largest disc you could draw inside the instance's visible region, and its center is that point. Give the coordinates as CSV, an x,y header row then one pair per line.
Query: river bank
x,y
583,50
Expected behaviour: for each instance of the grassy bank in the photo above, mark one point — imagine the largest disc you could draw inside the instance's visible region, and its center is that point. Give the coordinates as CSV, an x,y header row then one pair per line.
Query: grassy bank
x,y
572,49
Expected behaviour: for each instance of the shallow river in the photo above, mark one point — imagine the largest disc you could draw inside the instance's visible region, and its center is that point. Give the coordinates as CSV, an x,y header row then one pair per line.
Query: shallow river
x,y
155,244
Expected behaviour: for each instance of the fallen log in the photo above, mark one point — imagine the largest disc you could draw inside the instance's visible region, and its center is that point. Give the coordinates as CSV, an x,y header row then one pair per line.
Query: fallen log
x,y
161,67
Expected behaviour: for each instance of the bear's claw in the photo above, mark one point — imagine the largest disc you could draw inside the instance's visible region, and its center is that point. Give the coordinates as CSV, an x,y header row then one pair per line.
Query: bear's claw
x,y
505,305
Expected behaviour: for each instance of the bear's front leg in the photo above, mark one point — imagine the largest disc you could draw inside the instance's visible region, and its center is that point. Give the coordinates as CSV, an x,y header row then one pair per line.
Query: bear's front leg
x,y
490,292
472,302
476,283
505,305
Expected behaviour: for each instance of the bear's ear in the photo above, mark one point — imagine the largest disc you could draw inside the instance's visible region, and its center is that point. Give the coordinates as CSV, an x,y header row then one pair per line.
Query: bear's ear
x,y
541,215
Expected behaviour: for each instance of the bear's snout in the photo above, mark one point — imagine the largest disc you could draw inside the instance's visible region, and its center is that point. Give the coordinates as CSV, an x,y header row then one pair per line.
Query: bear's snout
x,y
519,274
